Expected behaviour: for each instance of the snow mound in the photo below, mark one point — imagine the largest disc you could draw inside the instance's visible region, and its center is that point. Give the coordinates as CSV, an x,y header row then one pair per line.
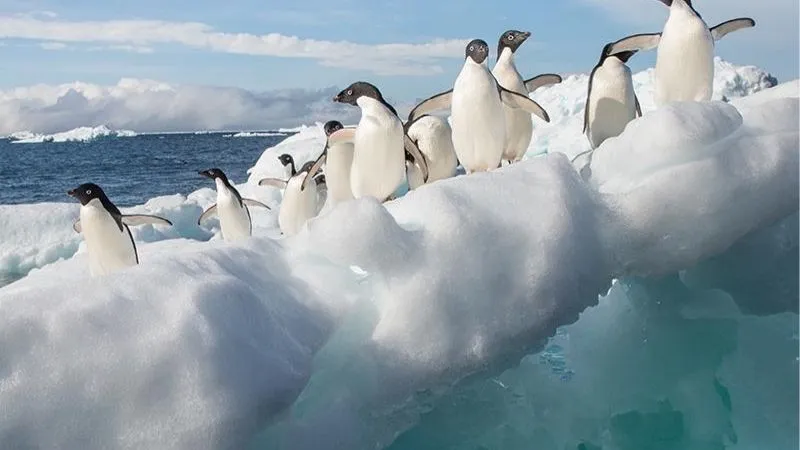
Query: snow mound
x,y
80,134
363,329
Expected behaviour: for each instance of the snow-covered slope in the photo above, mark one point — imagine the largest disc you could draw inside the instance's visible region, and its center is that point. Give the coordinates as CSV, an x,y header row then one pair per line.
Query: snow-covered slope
x,y
365,328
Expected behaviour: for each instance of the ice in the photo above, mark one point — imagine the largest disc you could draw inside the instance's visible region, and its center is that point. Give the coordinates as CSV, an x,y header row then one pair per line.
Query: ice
x,y
475,311
80,134
247,134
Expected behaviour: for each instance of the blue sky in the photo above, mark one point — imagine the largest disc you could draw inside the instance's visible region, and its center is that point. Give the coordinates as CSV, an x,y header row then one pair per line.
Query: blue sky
x,y
220,43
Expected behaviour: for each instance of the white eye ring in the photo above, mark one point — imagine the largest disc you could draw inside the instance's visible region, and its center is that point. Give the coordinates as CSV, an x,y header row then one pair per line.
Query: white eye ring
x,y
350,92
88,192
510,37
471,47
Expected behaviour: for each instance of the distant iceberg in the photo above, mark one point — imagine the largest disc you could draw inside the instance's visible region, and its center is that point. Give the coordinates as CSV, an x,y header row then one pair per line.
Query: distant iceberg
x,y
249,134
80,134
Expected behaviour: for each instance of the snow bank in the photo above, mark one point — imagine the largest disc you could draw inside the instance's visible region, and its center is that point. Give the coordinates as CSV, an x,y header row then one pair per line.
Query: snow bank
x,y
81,134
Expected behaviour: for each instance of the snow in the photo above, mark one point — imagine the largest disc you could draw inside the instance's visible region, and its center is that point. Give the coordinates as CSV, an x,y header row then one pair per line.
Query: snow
x,y
80,134
247,134
491,293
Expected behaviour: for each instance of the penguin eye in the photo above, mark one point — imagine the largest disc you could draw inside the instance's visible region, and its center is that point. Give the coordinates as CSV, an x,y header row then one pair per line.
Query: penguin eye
x,y
349,92
510,37
88,192
471,48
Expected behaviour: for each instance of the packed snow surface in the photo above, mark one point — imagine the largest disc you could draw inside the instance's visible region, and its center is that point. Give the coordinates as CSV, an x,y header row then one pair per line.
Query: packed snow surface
x,y
475,311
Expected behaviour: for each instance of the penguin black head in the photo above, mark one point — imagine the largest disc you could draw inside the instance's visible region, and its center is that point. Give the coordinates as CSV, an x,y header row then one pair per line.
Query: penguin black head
x,y
478,50
356,90
87,192
287,160
306,167
512,39
214,174
332,126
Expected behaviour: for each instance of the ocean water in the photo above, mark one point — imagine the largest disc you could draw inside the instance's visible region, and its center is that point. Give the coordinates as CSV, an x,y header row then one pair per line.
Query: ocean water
x,y
130,170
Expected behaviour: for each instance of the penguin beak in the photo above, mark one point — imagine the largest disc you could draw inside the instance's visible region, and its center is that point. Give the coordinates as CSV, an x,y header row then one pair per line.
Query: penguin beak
x,y
525,35
205,173
72,192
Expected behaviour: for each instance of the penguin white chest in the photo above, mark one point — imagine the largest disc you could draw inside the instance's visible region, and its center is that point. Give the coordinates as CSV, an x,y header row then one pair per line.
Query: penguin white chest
x,y
234,219
378,166
337,172
109,247
612,104
297,206
434,138
519,124
685,59
478,119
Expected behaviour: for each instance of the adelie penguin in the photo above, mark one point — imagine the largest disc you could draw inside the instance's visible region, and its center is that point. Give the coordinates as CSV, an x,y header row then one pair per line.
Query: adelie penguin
x,y
380,143
476,103
519,123
685,57
232,210
298,205
611,102
434,138
337,157
108,239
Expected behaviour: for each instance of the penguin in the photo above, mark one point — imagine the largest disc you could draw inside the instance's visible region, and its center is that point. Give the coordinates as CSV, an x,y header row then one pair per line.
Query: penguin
x,y
379,140
519,123
476,102
298,205
434,138
611,101
413,173
337,156
685,55
231,208
108,239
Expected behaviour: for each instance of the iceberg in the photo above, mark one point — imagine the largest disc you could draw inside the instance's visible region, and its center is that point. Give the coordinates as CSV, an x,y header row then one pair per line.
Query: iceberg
x,y
247,134
543,304
80,134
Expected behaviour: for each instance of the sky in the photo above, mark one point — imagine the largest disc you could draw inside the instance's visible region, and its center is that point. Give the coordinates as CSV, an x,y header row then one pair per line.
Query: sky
x,y
265,64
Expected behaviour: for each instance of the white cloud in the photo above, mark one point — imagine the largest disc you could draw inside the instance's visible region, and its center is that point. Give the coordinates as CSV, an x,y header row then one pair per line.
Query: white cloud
x,y
385,59
150,106
53,45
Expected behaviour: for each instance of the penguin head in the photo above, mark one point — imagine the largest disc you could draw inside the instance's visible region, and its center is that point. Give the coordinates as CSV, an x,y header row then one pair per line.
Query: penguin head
x,y
356,90
88,192
512,39
477,50
214,174
622,56
332,126
286,159
306,167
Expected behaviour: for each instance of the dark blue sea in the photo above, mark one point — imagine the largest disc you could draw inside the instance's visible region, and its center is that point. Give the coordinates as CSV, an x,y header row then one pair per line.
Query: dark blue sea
x,y
130,170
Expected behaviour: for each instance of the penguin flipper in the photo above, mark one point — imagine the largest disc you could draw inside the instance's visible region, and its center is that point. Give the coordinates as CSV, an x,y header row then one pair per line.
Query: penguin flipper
x,y
638,106
517,100
719,31
144,219
77,226
315,168
442,100
545,79
635,42
274,182
254,203
212,210
419,158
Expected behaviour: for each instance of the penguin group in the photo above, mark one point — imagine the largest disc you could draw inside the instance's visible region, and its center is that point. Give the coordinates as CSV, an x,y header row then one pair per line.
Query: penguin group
x,y
491,124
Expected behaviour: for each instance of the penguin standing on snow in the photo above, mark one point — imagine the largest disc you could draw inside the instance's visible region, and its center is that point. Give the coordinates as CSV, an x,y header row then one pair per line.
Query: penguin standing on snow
x,y
231,208
298,205
478,119
434,138
337,156
611,101
685,56
108,239
519,123
380,143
